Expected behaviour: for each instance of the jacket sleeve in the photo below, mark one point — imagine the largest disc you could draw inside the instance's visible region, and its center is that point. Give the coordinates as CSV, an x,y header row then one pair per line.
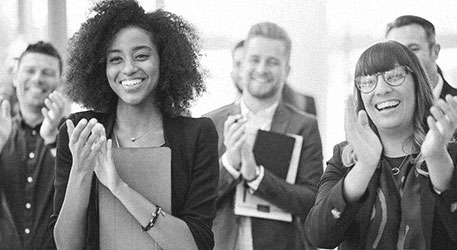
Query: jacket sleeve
x,y
331,216
446,202
297,198
62,171
199,208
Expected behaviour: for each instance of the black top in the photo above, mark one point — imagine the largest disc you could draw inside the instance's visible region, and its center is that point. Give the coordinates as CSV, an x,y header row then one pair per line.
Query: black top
x,y
26,180
194,173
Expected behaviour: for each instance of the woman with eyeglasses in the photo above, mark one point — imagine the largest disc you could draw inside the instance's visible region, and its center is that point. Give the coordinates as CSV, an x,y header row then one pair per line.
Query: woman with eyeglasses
x,y
393,183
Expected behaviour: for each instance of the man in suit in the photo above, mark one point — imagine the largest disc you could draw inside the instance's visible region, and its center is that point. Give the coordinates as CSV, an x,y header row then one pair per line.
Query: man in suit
x,y
418,34
264,71
300,101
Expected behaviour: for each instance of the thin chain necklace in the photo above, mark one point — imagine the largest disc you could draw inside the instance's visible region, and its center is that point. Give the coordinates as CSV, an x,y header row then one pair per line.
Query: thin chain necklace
x,y
396,170
133,139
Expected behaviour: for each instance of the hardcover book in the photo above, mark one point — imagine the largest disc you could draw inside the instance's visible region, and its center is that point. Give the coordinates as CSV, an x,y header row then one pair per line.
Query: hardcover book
x,y
280,155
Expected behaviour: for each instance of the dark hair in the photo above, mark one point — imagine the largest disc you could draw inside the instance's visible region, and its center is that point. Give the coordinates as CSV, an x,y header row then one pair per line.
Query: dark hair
x,y
408,20
42,48
178,47
238,45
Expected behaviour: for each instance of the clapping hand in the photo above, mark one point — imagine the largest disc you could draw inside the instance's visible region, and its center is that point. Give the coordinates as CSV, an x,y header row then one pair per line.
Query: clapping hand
x,y
105,169
442,123
85,142
5,122
366,144
248,164
234,128
53,113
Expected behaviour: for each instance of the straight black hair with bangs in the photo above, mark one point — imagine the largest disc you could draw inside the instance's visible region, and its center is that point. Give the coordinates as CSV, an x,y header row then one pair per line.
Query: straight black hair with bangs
x,y
385,56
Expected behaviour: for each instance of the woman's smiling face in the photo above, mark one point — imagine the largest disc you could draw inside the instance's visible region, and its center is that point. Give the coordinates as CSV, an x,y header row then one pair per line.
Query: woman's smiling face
x,y
391,107
132,65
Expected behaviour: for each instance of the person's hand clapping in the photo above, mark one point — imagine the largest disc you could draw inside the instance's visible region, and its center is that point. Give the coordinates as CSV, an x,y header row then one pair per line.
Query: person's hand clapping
x,y
105,169
234,128
442,123
53,113
248,164
85,142
5,122
366,144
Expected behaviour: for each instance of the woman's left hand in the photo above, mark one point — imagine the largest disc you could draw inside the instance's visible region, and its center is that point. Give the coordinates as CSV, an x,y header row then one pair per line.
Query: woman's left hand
x,y
442,124
105,169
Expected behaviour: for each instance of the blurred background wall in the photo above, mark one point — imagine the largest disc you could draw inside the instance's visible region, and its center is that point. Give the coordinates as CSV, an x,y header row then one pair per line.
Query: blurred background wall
x,y
327,38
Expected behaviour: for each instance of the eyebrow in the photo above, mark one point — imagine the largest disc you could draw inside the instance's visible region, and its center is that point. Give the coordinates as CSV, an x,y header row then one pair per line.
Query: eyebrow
x,y
134,49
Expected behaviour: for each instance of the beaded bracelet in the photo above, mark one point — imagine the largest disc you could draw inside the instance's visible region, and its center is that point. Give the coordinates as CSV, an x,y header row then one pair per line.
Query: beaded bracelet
x,y
153,219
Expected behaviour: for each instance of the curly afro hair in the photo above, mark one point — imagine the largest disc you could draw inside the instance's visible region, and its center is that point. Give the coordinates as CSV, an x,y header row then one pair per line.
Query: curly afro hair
x,y
178,46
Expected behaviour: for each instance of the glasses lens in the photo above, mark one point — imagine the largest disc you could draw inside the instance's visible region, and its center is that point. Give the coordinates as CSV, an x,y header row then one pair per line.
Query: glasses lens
x,y
366,84
396,76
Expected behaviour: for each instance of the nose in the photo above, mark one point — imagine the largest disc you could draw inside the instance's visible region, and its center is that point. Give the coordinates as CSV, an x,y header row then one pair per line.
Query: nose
x,y
37,77
261,67
382,87
129,67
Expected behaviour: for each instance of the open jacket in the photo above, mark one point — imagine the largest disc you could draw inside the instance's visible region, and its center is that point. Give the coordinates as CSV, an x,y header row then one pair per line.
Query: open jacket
x,y
333,222
194,173
296,198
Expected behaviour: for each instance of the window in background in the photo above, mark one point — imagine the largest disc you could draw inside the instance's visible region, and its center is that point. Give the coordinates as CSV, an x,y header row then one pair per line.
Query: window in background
x,y
349,26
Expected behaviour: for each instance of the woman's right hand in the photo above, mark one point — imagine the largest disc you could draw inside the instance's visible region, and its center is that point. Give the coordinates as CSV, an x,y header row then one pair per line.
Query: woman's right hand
x,y
85,141
366,144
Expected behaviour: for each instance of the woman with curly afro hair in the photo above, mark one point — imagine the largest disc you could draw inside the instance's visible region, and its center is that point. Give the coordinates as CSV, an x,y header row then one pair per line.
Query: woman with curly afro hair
x,y
136,72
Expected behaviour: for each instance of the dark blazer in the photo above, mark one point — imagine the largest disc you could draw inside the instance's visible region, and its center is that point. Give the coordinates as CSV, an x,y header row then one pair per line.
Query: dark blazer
x,y
296,199
194,173
333,222
447,88
300,101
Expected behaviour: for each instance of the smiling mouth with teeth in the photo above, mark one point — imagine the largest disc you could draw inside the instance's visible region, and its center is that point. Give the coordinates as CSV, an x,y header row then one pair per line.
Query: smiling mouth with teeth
x,y
387,105
130,83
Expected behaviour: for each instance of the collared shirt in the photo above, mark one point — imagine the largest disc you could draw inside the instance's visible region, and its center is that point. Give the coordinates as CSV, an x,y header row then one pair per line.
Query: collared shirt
x,y
27,182
259,120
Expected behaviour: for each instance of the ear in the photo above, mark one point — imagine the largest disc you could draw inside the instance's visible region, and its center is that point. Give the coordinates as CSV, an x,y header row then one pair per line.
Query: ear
x,y
287,70
14,76
435,51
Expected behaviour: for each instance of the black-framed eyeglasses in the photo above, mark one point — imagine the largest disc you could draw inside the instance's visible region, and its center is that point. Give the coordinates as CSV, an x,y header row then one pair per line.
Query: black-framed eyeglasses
x,y
393,77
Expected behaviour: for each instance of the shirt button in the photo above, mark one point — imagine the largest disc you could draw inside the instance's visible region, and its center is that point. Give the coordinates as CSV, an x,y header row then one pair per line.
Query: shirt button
x,y
27,231
28,205
31,155
454,207
29,179
336,213
33,132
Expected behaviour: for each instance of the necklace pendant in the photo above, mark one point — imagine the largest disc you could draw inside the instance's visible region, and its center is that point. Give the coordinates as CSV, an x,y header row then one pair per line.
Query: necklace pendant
x,y
132,139
395,171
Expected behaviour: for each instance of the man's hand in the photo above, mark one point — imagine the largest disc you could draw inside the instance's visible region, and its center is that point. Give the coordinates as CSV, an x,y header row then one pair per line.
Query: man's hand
x,y
53,113
248,164
234,128
5,122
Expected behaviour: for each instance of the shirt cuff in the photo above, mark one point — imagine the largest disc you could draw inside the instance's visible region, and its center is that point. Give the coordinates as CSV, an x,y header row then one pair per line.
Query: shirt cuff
x,y
254,184
232,171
